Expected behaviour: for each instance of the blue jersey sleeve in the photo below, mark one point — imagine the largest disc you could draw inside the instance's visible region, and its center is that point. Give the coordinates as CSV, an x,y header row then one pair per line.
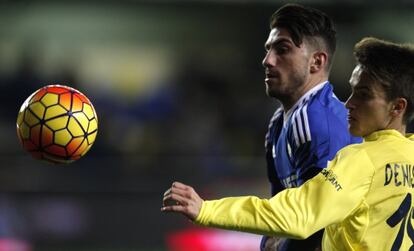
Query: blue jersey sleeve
x,y
328,131
314,154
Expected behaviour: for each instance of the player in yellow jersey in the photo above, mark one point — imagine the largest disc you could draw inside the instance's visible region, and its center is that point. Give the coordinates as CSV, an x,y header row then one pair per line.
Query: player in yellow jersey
x,y
363,199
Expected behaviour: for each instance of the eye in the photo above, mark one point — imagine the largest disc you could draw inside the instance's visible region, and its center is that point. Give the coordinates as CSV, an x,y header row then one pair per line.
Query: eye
x,y
362,93
282,49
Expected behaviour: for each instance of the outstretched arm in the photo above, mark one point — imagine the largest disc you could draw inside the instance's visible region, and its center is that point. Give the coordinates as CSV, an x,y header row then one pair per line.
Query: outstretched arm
x,y
180,198
295,213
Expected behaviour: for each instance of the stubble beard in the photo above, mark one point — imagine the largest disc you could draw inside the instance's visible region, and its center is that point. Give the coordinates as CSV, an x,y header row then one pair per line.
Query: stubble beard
x,y
284,90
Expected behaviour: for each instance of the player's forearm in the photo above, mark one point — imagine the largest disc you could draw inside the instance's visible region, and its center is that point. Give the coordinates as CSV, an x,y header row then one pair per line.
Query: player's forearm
x,y
251,214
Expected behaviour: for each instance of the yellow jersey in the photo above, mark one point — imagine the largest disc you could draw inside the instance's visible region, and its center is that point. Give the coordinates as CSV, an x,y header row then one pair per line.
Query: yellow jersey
x,y
363,200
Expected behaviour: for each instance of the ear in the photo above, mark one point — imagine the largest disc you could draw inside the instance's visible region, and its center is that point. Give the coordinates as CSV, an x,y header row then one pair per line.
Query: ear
x,y
399,107
318,61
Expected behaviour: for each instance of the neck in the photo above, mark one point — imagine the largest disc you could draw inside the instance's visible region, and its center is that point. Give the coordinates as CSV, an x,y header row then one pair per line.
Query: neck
x,y
397,124
290,101
402,129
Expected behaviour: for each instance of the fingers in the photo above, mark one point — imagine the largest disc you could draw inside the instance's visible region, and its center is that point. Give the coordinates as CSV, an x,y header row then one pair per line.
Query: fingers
x,y
177,197
183,199
177,194
174,208
179,185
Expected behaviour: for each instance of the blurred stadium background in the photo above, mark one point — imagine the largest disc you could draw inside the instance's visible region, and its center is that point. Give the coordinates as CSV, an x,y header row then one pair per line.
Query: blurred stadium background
x,y
178,88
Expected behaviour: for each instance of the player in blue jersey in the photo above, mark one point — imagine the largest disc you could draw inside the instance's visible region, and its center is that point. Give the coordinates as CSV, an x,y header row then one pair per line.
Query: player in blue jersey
x,y
311,124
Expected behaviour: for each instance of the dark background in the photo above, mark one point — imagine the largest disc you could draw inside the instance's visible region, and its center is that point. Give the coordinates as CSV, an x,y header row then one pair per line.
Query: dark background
x,y
178,88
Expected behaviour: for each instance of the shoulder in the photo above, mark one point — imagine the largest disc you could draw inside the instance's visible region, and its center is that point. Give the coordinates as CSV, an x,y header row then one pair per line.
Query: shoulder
x,y
356,163
276,115
325,102
326,113
309,120
273,121
355,152
352,157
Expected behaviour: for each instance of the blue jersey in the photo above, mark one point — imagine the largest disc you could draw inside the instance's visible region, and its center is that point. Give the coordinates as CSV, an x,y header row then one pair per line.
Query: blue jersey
x,y
301,142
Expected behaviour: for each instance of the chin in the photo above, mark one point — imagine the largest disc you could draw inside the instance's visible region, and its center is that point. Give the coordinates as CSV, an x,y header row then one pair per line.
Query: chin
x,y
355,132
273,93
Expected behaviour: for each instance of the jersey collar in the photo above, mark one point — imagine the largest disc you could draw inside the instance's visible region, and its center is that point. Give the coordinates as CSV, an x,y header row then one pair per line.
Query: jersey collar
x,y
315,89
388,132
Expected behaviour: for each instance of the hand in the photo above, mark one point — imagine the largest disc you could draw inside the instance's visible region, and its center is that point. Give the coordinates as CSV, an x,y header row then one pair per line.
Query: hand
x,y
181,198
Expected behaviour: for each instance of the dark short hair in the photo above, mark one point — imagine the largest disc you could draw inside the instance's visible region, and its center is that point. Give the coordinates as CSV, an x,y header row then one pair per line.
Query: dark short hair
x,y
306,23
392,65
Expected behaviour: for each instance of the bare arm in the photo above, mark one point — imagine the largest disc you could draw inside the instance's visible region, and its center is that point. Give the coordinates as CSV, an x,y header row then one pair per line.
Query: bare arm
x,y
180,198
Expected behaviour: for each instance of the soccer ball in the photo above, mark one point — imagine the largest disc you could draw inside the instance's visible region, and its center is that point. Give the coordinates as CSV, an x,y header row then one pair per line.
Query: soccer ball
x,y
57,123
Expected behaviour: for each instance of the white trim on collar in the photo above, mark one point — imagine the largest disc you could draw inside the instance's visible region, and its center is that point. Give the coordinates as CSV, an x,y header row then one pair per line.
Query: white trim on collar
x,y
315,89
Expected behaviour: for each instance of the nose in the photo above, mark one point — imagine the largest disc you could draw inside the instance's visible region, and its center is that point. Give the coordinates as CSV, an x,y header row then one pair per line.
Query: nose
x,y
269,60
349,103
